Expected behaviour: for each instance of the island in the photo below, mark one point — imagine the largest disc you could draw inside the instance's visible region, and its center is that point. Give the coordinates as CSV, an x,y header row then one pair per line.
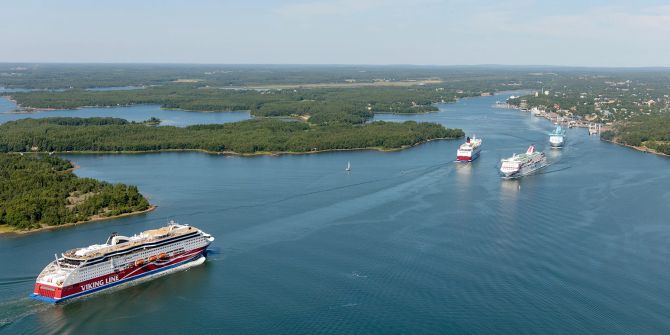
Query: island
x,y
251,137
40,192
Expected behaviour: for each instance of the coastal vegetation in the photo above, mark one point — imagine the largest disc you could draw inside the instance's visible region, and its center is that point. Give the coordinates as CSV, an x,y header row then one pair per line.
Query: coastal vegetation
x,y
246,137
647,132
39,191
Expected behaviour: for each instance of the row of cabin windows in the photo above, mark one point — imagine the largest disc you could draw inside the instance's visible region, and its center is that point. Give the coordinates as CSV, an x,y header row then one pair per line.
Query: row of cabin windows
x,y
102,268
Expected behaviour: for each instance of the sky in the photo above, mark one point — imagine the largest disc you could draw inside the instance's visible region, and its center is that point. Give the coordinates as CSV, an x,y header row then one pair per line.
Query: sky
x,y
423,32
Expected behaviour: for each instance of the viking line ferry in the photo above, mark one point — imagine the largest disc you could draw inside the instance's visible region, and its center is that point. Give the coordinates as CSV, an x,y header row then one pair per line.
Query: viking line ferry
x,y
122,260
469,151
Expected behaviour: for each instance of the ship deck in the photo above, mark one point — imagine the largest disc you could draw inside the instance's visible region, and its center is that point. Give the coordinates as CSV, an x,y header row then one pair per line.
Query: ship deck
x,y
143,238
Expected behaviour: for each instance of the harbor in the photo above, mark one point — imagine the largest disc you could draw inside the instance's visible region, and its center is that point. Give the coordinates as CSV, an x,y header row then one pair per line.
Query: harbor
x,y
558,118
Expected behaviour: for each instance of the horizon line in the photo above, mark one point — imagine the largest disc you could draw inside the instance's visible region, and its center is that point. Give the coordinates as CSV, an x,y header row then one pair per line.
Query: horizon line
x,y
341,64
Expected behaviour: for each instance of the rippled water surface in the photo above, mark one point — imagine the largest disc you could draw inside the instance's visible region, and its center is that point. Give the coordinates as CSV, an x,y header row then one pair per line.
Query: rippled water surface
x,y
408,242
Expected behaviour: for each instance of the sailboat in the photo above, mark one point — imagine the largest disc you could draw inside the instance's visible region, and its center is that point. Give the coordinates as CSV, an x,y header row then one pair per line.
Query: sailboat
x,y
348,167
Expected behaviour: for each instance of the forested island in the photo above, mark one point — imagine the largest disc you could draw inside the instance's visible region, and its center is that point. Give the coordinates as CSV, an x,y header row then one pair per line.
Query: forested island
x,y
40,192
259,136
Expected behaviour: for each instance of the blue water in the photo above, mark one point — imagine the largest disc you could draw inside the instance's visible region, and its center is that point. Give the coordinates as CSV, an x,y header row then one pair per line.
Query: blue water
x,y
138,113
407,242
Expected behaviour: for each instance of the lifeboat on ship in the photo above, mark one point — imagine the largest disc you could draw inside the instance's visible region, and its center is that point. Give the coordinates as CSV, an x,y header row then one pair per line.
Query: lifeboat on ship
x,y
153,258
139,262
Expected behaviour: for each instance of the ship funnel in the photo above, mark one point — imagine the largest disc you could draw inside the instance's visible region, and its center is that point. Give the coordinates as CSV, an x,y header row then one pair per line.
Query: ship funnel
x,y
531,149
467,139
110,238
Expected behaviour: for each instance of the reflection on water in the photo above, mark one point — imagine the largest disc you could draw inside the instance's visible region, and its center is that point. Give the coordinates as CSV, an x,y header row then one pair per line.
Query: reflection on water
x,y
511,203
553,154
464,173
510,188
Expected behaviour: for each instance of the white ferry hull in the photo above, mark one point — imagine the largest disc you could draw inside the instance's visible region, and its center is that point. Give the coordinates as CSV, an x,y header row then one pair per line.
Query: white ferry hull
x,y
192,260
556,141
468,156
524,171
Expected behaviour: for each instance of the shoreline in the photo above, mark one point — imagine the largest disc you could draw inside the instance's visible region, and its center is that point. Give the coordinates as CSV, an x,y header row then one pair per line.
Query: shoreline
x,y
641,148
233,153
12,231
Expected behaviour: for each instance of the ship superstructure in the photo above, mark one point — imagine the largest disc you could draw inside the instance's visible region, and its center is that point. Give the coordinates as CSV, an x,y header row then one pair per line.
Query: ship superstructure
x,y
121,260
557,137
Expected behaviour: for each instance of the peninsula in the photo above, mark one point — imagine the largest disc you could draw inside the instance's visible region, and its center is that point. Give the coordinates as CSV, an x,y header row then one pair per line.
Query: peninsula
x,y
39,192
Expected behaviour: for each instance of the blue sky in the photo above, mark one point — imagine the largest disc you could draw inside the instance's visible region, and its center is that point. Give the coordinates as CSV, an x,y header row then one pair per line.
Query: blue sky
x,y
441,32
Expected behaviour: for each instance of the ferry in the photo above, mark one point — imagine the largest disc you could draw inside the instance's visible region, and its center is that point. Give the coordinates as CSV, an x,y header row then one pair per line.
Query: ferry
x,y
470,150
523,164
557,137
121,260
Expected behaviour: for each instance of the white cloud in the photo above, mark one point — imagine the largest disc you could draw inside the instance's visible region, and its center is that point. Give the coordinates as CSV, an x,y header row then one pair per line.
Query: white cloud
x,y
327,7
604,22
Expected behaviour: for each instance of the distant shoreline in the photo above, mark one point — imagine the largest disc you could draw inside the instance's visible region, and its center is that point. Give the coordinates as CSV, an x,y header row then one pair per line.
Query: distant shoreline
x,y
30,109
233,153
7,230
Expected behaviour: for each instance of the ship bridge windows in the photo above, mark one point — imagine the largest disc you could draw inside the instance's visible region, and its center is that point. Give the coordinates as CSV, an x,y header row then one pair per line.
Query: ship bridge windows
x,y
69,261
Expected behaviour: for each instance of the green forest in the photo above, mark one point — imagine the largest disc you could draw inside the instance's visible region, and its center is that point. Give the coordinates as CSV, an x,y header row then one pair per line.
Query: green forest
x,y
651,131
246,137
86,76
40,190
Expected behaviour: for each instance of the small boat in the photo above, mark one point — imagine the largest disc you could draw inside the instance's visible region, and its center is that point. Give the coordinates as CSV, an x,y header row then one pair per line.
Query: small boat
x,y
348,167
557,137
